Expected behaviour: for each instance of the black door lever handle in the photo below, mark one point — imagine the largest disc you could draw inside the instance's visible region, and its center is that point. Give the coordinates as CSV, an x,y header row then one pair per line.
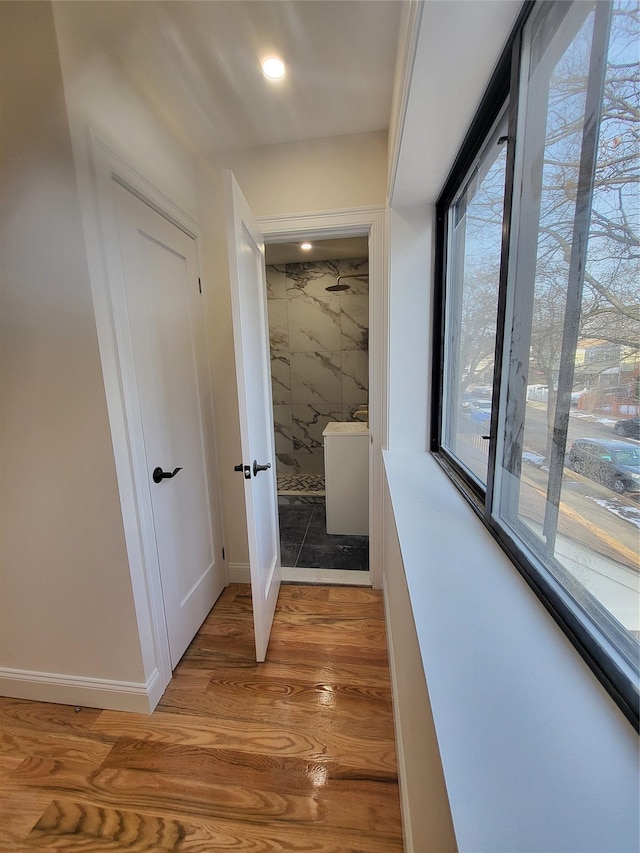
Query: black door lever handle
x,y
159,475
257,467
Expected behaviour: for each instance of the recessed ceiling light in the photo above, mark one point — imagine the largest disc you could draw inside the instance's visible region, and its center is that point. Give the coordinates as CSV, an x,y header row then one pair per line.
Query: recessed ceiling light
x,y
306,246
273,68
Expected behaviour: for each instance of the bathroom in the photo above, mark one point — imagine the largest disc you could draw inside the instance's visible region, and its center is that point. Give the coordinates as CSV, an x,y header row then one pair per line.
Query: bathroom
x,y
318,306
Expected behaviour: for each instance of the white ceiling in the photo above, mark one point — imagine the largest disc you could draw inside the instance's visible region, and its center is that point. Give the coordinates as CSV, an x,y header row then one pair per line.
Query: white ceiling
x,y
322,250
198,63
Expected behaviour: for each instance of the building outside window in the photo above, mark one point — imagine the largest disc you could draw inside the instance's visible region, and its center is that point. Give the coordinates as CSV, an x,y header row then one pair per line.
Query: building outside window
x,y
537,357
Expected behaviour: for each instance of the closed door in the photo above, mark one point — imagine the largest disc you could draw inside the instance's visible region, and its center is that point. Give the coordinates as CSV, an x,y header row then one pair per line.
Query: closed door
x,y
258,468
166,330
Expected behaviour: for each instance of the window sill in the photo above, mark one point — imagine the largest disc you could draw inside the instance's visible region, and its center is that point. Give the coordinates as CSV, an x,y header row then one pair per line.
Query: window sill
x,y
524,728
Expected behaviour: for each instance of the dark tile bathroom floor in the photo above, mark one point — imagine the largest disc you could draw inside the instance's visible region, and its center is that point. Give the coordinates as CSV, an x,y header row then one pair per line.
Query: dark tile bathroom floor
x,y
305,543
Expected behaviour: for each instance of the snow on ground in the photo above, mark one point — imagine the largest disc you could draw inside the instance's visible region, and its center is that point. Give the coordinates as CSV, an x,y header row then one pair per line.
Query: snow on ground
x,y
624,511
594,418
532,458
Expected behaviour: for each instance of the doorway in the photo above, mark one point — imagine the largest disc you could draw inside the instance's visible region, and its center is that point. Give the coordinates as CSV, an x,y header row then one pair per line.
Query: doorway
x,y
368,222
318,305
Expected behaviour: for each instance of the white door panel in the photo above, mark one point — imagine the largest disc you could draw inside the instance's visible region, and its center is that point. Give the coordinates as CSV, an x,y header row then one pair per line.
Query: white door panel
x,y
251,337
167,338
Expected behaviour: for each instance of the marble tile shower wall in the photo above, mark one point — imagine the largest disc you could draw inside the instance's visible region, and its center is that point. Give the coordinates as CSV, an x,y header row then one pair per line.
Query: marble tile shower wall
x,y
319,355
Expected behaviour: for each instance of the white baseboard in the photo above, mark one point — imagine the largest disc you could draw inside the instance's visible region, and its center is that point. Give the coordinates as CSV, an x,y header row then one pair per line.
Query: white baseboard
x,y
239,573
405,808
88,692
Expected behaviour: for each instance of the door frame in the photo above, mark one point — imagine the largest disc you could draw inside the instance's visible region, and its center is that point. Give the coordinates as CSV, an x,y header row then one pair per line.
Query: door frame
x,y
357,222
125,419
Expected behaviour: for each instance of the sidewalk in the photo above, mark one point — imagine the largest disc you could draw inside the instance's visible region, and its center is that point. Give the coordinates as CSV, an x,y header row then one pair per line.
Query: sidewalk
x,y
616,586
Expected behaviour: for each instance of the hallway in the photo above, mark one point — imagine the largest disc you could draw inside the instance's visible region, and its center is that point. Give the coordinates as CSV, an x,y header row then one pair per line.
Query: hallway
x,y
296,753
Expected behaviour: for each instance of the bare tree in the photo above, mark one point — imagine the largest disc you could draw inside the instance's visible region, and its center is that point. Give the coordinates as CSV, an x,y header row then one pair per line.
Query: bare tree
x,y
611,294
610,309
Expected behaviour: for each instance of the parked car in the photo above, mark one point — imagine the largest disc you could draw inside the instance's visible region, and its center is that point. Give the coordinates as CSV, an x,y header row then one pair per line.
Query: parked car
x,y
479,412
615,464
629,427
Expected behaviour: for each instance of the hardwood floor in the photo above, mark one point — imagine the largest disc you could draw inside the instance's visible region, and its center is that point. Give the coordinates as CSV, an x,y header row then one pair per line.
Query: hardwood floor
x,y
294,754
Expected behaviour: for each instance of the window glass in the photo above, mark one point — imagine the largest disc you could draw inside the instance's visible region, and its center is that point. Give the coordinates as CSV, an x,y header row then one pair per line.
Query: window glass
x,y
475,234
569,478
538,357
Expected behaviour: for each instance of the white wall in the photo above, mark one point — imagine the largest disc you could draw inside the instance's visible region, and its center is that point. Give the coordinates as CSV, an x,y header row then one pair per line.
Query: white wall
x,y
535,754
426,815
458,46
319,174
66,595
108,97
410,264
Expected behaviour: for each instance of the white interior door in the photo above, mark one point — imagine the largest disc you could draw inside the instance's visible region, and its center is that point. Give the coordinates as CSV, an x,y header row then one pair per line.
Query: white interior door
x,y
251,335
161,285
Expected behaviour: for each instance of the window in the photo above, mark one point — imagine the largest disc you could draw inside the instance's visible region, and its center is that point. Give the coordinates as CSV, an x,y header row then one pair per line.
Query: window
x,y
537,340
475,236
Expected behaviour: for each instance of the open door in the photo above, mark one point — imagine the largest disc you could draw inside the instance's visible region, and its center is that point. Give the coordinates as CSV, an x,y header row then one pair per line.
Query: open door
x,y
258,464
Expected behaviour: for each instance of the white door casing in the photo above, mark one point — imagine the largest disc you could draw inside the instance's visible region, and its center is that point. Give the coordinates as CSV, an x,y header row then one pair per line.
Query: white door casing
x,y
251,341
160,273
355,222
99,171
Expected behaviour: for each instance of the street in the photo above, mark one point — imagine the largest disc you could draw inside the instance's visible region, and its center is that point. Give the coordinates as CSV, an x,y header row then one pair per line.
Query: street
x,y
589,512
580,426
612,519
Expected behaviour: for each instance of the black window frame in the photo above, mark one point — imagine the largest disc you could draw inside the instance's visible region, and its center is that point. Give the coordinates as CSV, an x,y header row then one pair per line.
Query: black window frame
x,y
595,647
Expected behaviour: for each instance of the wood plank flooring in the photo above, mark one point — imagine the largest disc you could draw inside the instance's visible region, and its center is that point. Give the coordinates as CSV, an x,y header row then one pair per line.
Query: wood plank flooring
x,y
294,754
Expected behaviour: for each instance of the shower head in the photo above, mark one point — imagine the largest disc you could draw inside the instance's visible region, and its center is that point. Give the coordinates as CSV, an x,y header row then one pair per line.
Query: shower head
x,y
338,286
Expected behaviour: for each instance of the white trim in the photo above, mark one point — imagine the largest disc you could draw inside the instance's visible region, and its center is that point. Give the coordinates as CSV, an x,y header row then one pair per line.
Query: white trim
x,y
284,225
340,577
405,808
371,222
103,693
407,50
